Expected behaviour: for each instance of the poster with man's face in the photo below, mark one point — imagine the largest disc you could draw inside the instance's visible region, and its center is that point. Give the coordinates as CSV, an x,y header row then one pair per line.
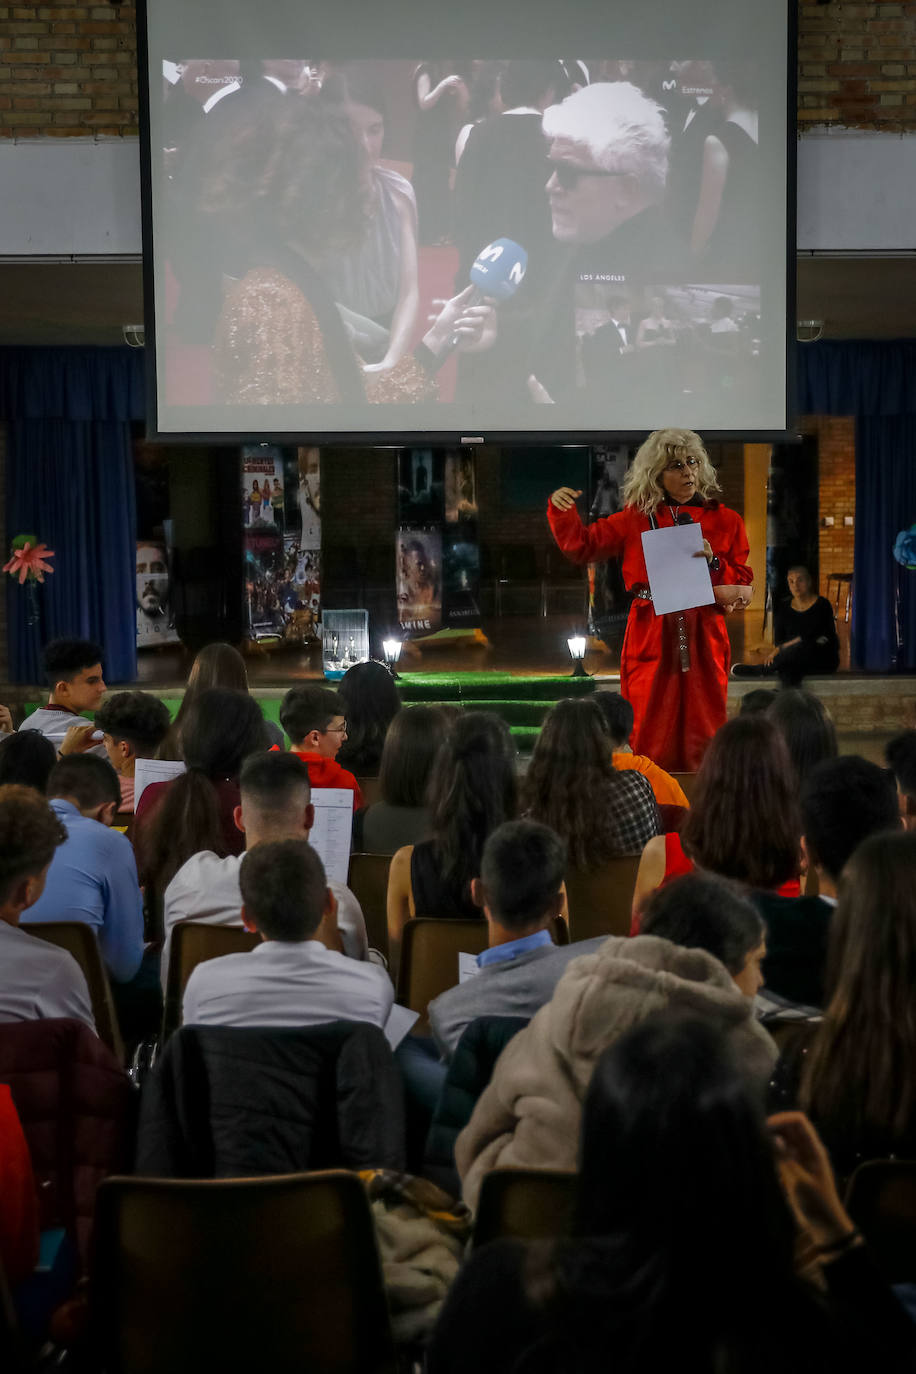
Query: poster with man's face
x,y
419,580
155,618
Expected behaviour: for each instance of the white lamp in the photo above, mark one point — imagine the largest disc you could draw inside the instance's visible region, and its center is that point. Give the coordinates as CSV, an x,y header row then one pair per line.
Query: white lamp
x,y
576,646
391,648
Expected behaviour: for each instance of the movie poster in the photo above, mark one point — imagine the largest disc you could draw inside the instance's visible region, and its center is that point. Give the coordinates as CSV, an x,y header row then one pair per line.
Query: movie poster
x,y
155,615
608,600
438,554
281,533
419,581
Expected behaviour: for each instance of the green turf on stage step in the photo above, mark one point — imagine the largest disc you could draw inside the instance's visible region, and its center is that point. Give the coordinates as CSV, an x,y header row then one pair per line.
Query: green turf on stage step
x,y
466,687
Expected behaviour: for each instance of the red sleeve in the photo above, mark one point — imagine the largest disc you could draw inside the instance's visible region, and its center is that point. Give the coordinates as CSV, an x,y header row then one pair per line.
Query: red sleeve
x,y
731,548
588,543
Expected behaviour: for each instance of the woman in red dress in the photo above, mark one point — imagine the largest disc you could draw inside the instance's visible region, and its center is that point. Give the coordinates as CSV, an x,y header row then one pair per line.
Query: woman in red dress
x,y
673,668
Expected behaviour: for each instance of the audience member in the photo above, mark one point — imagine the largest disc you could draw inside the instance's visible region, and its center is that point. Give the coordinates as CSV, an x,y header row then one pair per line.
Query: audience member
x,y
37,980
313,717
93,875
843,801
216,665
687,1208
573,786
370,702
6,720
618,717
401,816
297,976
805,634
472,790
700,911
520,891
26,758
743,822
73,671
806,727
133,726
528,1115
853,1073
900,755
195,811
275,805
758,699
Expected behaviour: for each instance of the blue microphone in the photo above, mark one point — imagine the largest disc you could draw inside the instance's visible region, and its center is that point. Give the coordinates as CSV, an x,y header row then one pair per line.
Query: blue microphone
x,y
499,269
497,272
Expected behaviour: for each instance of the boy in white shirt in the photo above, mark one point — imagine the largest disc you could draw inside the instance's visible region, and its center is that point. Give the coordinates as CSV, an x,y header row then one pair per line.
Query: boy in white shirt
x,y
297,976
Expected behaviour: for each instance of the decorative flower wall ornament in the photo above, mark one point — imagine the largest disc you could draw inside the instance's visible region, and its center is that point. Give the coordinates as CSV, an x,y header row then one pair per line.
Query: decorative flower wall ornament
x,y
28,559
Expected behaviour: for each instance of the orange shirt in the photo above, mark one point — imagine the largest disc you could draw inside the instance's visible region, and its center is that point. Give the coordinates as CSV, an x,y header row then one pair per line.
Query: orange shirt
x,y
667,791
328,773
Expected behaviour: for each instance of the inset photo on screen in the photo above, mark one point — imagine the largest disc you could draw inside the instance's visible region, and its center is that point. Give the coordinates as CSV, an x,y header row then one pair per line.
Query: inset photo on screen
x,y
485,243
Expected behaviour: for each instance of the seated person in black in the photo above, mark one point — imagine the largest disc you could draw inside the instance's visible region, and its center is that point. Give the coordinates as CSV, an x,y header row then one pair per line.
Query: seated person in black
x,y
805,635
843,801
852,1073
686,1213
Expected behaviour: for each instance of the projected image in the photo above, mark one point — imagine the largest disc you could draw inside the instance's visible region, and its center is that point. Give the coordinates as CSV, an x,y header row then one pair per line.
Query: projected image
x,y
451,239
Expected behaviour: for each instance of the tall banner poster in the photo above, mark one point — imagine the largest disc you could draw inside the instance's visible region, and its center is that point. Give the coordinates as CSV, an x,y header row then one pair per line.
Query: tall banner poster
x,y
281,541
155,612
608,599
437,547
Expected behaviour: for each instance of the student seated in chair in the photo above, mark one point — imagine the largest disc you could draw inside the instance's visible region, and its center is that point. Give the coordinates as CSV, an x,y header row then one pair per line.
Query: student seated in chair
x,y
313,717
618,717
37,980
297,976
73,671
520,890
276,805
900,756
133,726
93,876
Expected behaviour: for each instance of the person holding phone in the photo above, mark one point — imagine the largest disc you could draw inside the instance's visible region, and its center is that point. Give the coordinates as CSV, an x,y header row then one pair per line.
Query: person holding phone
x,y
673,668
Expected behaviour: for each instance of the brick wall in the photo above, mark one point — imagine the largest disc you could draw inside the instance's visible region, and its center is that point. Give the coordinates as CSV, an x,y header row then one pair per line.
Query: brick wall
x,y
70,69
857,64
67,70
836,447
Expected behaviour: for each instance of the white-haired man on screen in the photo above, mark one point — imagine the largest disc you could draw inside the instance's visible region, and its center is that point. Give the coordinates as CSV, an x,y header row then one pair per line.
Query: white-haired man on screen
x,y
608,165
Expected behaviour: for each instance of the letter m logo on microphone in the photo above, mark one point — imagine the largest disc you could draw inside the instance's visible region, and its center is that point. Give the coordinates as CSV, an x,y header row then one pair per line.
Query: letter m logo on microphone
x,y
499,269
492,253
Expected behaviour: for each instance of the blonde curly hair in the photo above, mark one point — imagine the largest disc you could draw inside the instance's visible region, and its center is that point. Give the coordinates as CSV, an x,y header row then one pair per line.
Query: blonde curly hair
x,y
642,486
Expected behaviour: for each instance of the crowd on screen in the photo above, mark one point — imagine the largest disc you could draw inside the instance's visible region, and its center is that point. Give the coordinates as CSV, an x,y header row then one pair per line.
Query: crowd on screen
x,y
708,1225
297,249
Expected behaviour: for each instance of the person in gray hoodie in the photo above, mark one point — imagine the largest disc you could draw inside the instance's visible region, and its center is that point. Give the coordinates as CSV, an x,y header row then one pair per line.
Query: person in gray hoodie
x,y
529,1114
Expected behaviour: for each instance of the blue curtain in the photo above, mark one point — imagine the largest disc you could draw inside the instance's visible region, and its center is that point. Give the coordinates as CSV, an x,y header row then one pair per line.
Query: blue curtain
x,y
873,380
70,480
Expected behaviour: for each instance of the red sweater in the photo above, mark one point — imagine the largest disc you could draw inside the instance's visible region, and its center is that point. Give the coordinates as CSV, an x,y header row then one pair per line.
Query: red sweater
x,y
328,773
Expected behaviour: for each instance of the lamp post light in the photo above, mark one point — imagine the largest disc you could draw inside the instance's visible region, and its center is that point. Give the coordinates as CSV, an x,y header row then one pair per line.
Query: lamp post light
x,y
392,651
576,646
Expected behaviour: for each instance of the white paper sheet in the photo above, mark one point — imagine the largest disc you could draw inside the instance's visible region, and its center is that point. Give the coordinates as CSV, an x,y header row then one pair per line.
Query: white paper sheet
x,y
154,770
467,967
678,580
400,1021
332,832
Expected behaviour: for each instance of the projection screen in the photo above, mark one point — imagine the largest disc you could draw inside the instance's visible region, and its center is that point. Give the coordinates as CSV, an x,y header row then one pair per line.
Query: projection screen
x,y
346,240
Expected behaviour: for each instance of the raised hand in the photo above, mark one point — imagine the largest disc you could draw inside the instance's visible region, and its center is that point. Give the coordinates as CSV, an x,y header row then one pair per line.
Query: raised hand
x,y
564,498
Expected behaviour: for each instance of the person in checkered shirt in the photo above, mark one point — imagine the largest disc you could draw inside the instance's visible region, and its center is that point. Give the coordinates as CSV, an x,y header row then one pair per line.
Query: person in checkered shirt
x,y
573,786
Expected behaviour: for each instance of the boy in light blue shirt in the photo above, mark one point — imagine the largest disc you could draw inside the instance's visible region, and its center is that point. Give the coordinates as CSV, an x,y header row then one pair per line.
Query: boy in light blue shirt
x,y
93,875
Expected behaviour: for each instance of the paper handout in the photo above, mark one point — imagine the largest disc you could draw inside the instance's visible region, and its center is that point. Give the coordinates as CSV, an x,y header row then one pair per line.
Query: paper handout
x,y
678,579
154,770
332,830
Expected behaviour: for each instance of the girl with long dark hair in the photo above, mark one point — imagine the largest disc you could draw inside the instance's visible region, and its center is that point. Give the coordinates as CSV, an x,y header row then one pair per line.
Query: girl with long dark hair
x,y
743,822
472,790
372,701
215,665
194,811
687,1209
572,786
853,1073
805,725
401,816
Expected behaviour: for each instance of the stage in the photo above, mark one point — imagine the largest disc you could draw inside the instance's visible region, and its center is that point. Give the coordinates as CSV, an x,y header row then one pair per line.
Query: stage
x,y
519,667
